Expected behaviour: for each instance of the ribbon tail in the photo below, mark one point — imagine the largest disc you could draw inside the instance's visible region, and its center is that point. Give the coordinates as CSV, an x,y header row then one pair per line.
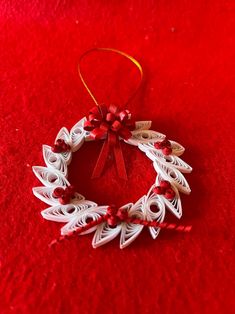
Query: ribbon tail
x,y
111,143
101,160
121,169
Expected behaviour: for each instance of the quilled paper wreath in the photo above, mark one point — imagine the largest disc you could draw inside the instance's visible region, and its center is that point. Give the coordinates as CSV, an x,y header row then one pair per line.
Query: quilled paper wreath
x,y
81,216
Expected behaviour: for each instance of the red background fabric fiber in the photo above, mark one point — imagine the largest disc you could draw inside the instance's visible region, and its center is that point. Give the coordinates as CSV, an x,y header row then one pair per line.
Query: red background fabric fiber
x,y
186,49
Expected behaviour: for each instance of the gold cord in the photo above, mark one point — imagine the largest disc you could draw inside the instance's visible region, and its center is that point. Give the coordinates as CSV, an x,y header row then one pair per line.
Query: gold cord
x,y
133,60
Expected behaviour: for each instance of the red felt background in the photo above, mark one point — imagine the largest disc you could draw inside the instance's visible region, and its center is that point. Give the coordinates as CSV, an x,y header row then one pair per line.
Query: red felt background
x,y
187,51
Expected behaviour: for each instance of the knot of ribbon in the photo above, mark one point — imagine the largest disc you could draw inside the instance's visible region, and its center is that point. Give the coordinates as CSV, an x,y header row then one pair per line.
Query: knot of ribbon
x,y
111,124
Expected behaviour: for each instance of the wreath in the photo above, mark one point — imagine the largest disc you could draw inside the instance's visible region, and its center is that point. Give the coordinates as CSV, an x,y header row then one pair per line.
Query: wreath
x,y
81,216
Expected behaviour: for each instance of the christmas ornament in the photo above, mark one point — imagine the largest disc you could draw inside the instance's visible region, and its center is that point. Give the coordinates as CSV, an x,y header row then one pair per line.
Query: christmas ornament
x,y
81,216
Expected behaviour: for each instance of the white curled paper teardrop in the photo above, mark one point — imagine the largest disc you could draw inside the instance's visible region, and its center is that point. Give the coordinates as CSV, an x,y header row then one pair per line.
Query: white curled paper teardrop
x,y
77,135
54,161
143,125
144,136
83,217
45,194
177,149
60,213
175,162
154,211
64,135
104,234
131,231
172,175
50,177
144,147
169,161
173,205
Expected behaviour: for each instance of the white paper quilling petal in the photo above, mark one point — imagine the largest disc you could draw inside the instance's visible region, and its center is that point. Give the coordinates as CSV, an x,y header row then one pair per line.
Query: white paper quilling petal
x,y
83,217
60,213
177,149
169,161
77,135
83,204
130,231
64,135
77,198
45,194
154,155
143,125
144,147
154,201
173,205
53,160
174,162
144,136
172,175
67,156
50,177
104,234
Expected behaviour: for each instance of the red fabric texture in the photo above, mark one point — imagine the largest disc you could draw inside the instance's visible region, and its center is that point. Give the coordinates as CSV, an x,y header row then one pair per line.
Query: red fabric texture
x,y
186,49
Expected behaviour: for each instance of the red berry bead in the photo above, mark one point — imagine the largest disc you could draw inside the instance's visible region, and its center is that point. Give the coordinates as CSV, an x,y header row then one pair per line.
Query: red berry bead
x,y
158,145
59,142
65,147
167,151
58,192
67,193
169,194
71,189
166,143
64,199
56,149
122,214
158,190
165,184
112,210
112,221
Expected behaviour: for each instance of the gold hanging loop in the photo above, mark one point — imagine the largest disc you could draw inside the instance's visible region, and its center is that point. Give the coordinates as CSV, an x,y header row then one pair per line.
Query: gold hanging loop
x,y
133,60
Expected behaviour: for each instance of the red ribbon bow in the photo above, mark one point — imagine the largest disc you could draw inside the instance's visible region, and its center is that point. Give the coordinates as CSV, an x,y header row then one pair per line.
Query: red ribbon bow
x,y
109,124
